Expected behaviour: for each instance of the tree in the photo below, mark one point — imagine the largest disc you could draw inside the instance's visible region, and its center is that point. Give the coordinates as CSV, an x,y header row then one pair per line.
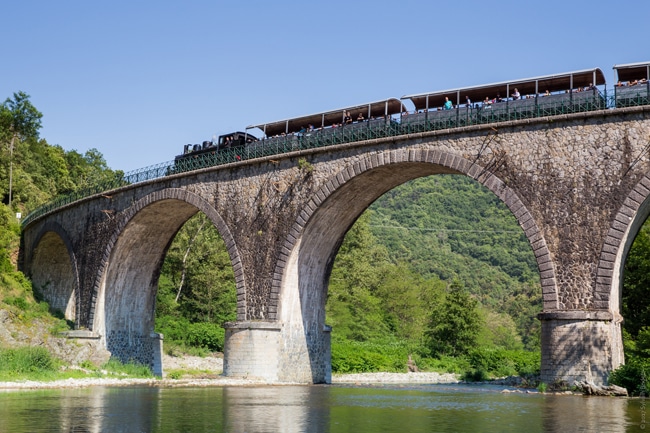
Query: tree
x,y
19,120
456,324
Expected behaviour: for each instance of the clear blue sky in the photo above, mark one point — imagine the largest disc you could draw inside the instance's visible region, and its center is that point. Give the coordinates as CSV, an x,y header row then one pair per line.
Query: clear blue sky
x,y
139,79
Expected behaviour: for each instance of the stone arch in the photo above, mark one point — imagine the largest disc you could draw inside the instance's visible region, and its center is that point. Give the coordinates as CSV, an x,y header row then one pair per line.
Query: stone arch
x,y
301,274
626,225
128,275
53,269
379,167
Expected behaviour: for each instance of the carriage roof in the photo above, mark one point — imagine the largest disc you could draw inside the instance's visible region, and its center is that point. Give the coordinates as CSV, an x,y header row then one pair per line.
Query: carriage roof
x,y
633,71
525,86
328,118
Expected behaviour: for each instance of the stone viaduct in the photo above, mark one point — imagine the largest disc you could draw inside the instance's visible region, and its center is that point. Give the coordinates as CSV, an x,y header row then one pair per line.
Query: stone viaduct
x,y
578,185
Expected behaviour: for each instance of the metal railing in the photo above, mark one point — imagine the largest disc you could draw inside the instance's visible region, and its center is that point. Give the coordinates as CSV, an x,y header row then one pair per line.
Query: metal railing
x,y
361,131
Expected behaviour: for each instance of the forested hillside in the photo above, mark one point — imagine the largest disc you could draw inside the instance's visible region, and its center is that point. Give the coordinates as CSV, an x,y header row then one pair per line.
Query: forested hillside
x,y
436,269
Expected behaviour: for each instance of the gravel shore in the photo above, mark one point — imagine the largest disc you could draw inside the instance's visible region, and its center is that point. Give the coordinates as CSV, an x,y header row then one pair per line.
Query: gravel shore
x,y
218,380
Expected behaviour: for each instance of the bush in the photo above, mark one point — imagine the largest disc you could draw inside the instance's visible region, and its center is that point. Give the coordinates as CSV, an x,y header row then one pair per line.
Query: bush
x,y
369,356
475,375
207,335
632,376
501,362
445,364
179,331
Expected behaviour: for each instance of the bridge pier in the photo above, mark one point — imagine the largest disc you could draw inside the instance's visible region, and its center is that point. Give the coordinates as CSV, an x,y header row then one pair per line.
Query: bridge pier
x,y
580,345
277,352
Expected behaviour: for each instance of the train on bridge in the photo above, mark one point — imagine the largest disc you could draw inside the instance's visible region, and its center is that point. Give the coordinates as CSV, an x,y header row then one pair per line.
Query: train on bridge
x,y
551,95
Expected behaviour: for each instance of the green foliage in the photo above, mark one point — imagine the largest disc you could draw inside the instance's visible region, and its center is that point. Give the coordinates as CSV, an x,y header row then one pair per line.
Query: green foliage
x,y
130,369
27,360
197,280
88,365
449,226
175,374
196,290
20,303
18,117
207,335
455,323
181,331
475,375
632,376
501,362
635,306
387,354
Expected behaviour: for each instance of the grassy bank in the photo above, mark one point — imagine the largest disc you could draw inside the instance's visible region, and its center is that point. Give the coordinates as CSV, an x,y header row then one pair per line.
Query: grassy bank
x,y
37,364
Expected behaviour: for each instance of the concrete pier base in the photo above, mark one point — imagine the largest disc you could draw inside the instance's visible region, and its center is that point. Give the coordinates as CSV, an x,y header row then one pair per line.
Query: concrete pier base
x,y
277,353
251,350
580,345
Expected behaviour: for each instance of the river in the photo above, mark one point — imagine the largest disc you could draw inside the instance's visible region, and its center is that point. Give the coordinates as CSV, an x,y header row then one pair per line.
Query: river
x,y
326,408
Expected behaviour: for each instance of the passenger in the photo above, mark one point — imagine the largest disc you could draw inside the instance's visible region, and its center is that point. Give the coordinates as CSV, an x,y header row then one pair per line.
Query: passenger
x,y
619,84
468,102
643,81
633,83
448,105
347,119
360,117
547,93
499,98
515,95
487,102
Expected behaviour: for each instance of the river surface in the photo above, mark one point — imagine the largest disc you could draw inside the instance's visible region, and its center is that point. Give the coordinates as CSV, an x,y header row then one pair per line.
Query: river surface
x,y
327,408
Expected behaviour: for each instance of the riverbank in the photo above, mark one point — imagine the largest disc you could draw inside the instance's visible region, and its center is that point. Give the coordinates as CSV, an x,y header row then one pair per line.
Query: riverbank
x,y
218,380
194,371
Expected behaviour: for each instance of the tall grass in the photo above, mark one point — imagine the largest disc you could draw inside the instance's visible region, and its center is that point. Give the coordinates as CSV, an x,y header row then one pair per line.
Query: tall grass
x,y
27,363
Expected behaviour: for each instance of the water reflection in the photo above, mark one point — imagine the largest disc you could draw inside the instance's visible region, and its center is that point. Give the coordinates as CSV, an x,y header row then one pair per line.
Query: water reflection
x,y
419,408
569,413
289,409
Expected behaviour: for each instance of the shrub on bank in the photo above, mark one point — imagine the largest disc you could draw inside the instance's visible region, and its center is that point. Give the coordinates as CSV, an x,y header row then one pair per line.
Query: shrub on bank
x,y
632,376
181,332
350,356
500,362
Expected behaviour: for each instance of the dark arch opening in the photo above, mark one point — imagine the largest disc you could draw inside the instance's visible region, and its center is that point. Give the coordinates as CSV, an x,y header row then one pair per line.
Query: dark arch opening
x,y
53,274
